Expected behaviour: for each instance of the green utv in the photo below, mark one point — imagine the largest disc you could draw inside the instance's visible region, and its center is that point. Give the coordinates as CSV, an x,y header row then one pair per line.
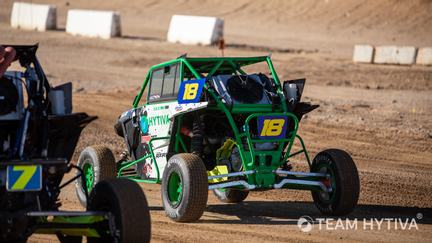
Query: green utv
x,y
38,135
206,124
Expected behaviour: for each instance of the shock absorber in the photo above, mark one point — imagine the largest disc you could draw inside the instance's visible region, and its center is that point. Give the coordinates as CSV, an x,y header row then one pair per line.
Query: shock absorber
x,y
198,135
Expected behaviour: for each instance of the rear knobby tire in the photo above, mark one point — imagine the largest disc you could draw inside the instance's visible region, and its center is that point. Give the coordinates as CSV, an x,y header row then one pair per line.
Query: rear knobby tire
x,y
126,200
188,172
344,181
230,195
103,165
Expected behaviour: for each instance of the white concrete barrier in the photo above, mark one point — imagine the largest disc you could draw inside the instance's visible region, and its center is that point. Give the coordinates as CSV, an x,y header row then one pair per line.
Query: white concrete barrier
x,y
424,56
406,55
403,55
363,53
32,16
102,24
195,30
385,55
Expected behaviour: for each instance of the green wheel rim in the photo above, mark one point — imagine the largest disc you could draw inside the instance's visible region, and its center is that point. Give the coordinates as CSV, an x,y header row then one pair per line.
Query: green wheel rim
x,y
328,197
175,189
89,175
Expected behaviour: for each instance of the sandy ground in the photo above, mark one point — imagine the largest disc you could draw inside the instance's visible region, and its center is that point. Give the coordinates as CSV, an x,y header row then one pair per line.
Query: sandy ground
x,y
380,114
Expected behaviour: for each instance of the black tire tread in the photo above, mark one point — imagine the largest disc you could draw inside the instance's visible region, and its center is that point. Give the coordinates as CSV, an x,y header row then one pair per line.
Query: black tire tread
x,y
104,167
198,186
107,166
198,194
348,179
129,203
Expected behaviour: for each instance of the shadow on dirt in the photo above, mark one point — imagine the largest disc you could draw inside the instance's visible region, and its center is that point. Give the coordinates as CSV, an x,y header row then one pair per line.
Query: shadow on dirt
x,y
285,213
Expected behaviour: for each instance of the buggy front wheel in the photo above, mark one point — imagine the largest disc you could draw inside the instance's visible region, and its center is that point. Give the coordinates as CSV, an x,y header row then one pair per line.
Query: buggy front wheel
x,y
184,188
97,163
344,182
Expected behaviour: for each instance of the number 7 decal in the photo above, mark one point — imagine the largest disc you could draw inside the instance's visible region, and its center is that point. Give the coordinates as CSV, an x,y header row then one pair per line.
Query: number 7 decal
x,y
272,127
24,178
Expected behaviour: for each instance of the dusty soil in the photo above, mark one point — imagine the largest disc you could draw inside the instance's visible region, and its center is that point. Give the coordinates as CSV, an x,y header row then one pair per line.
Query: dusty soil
x,y
380,114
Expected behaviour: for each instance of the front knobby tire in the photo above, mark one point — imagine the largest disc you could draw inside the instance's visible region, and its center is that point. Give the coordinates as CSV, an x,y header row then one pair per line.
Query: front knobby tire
x,y
98,163
184,188
126,201
344,180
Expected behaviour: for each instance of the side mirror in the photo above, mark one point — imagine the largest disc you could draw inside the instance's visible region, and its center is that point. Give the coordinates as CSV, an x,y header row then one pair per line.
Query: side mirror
x,y
293,90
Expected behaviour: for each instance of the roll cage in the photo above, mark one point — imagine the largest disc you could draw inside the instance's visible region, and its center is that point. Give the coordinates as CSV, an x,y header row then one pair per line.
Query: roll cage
x,y
206,67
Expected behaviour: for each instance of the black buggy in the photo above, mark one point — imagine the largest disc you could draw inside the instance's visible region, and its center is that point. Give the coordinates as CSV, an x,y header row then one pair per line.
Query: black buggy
x,y
38,135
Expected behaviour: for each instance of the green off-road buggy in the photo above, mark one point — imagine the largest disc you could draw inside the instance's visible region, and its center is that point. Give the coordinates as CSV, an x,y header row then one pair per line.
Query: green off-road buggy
x,y
206,124
38,135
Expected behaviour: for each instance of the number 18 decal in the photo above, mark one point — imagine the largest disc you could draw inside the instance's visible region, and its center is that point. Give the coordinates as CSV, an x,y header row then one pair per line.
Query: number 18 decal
x,y
190,91
272,127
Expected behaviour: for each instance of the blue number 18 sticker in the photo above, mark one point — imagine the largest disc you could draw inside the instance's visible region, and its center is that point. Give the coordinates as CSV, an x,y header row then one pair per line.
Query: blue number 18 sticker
x,y
190,91
272,127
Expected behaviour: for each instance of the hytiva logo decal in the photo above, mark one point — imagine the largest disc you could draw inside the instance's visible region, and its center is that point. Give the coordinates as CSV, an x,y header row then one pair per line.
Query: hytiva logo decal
x,y
158,120
190,91
272,126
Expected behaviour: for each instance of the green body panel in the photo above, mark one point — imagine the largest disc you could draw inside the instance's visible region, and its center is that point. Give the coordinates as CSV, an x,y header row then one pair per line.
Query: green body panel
x,y
264,176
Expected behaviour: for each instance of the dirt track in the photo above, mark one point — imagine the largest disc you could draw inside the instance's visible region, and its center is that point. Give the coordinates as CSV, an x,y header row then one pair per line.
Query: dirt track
x,y
395,176
380,114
